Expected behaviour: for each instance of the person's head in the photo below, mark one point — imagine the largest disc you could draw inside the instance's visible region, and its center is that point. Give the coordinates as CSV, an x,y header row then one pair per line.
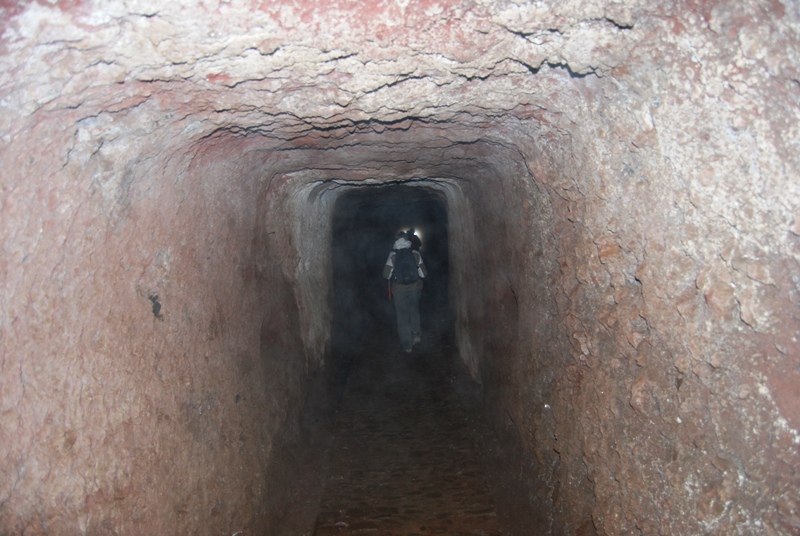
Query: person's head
x,y
410,232
402,234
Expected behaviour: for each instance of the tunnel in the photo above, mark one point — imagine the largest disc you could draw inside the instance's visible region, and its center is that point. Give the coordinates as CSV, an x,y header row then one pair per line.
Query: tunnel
x,y
198,198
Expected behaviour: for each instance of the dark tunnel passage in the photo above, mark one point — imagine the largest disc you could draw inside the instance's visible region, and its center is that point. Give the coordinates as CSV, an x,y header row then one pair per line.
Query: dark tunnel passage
x,y
403,456
197,200
365,222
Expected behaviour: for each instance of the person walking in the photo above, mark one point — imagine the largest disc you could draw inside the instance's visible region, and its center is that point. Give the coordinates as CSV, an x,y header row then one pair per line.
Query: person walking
x,y
405,270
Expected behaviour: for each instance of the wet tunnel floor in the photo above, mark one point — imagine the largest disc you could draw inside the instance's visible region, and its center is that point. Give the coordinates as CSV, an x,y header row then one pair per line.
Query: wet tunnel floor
x,y
403,460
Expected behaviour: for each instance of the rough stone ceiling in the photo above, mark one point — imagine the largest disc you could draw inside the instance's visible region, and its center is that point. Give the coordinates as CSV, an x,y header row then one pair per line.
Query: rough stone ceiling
x,y
282,66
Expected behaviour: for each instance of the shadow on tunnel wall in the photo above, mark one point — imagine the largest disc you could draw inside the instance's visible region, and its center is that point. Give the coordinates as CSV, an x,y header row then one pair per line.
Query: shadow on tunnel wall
x,y
365,223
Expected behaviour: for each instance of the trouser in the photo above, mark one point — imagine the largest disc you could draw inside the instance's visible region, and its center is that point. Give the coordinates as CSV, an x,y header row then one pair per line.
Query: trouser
x,y
406,305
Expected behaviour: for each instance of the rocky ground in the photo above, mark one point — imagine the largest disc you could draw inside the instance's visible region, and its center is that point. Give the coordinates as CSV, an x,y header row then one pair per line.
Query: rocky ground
x,y
404,460
404,455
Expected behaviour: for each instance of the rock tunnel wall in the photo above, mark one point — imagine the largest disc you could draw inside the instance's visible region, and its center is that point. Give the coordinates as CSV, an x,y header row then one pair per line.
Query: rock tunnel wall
x,y
623,171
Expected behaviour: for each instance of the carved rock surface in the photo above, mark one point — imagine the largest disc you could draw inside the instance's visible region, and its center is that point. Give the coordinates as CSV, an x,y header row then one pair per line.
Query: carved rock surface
x,y
624,170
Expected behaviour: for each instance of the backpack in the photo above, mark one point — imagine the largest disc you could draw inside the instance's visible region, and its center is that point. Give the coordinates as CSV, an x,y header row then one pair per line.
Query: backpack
x,y
405,267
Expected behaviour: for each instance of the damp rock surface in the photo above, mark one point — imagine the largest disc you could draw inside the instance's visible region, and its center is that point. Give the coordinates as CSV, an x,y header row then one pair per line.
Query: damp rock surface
x,y
623,243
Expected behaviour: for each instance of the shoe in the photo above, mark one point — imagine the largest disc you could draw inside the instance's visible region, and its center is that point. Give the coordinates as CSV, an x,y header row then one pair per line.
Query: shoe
x,y
408,351
417,339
